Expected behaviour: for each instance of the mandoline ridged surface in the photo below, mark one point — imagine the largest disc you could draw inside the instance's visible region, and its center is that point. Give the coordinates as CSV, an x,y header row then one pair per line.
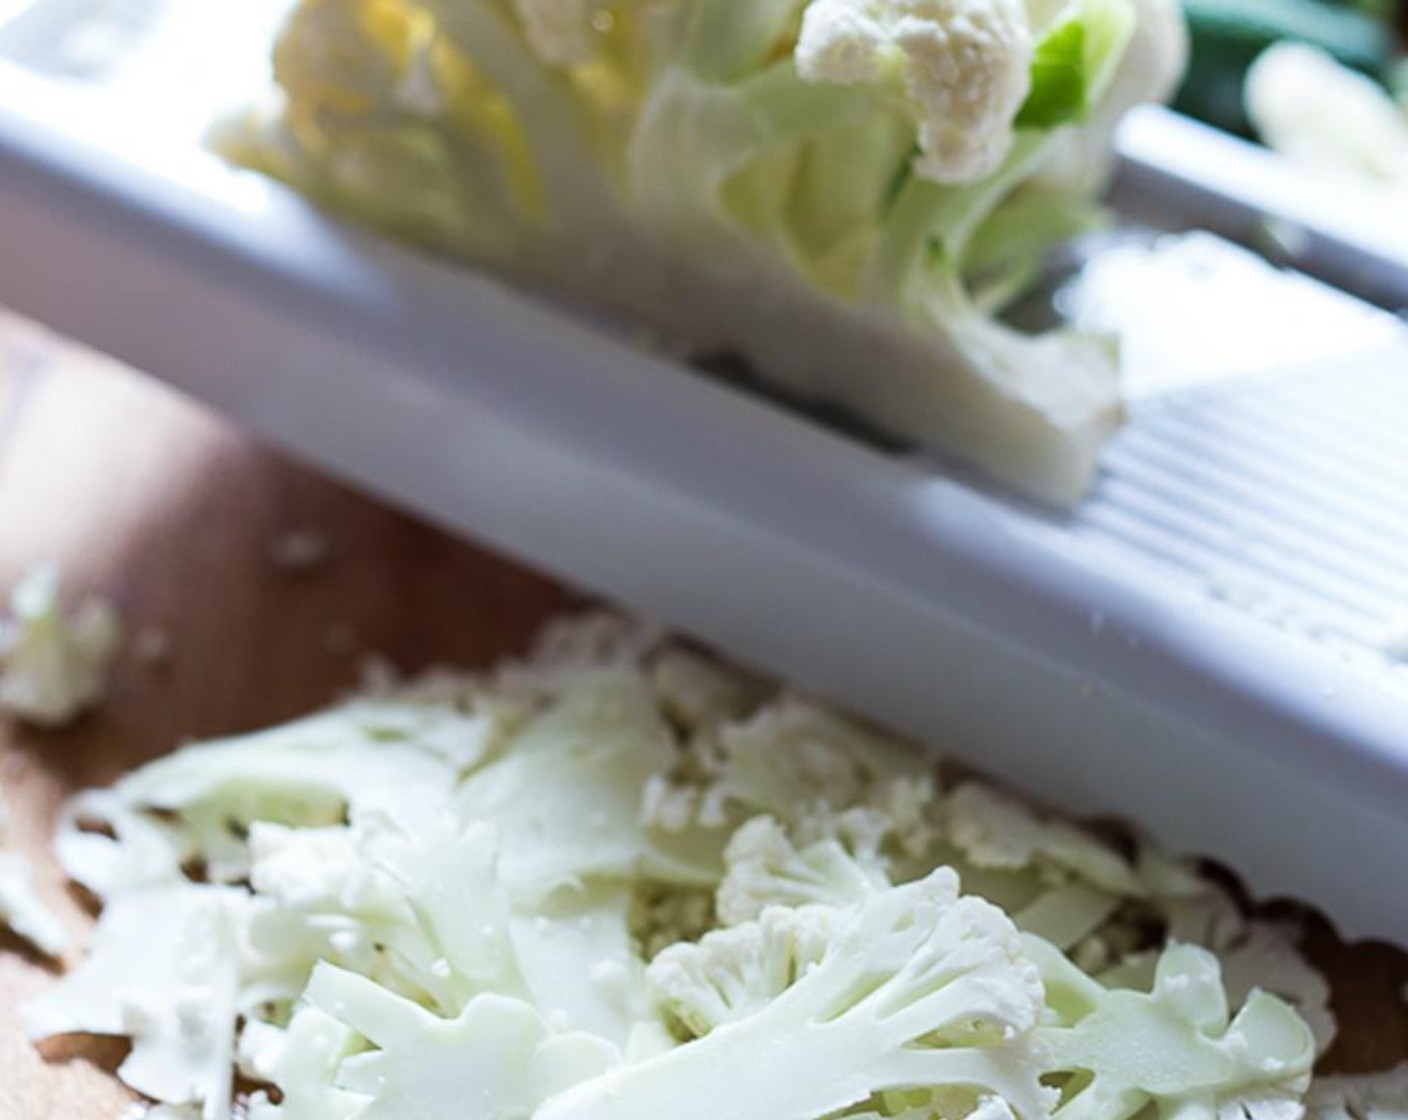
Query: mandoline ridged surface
x,y
1281,496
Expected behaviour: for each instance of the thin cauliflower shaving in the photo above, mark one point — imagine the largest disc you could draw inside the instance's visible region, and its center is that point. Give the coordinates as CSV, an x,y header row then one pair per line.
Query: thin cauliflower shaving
x,y
843,191
618,879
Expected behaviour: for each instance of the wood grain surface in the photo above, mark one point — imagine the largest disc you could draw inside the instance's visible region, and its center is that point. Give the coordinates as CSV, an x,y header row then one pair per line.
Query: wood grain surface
x,y
171,513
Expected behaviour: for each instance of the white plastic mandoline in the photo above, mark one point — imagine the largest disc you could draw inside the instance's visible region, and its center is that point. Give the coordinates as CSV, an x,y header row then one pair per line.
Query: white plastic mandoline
x,y
1206,646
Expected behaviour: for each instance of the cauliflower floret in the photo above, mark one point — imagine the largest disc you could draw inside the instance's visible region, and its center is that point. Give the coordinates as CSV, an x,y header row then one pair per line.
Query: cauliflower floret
x,y
733,973
916,986
965,66
52,665
794,755
696,691
567,647
766,869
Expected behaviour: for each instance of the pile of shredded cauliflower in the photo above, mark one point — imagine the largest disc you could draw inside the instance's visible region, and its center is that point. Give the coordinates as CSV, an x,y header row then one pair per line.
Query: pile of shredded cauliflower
x,y
619,880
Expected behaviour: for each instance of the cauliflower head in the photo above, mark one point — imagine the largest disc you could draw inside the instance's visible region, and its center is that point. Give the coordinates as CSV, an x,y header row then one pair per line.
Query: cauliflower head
x,y
840,191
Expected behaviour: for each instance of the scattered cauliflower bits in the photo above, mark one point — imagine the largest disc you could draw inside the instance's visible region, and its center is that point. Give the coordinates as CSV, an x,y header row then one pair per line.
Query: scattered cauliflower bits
x,y
53,665
620,881
844,192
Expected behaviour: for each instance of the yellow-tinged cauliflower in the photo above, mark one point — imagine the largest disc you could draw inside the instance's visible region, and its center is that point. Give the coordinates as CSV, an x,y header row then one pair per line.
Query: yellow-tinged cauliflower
x,y
840,190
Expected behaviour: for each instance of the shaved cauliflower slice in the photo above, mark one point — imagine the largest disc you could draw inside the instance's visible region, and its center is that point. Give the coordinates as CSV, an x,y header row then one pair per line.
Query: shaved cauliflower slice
x,y
499,1054
1176,1047
565,796
579,963
360,758
163,971
309,1054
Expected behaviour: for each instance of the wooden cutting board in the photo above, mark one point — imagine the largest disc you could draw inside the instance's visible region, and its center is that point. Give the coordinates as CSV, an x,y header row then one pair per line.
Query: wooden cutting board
x,y
172,514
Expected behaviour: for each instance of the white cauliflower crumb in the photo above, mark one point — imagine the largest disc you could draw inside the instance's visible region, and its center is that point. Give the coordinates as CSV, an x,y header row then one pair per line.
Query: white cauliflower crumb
x,y
696,690
53,665
965,66
152,646
300,550
377,675
340,639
